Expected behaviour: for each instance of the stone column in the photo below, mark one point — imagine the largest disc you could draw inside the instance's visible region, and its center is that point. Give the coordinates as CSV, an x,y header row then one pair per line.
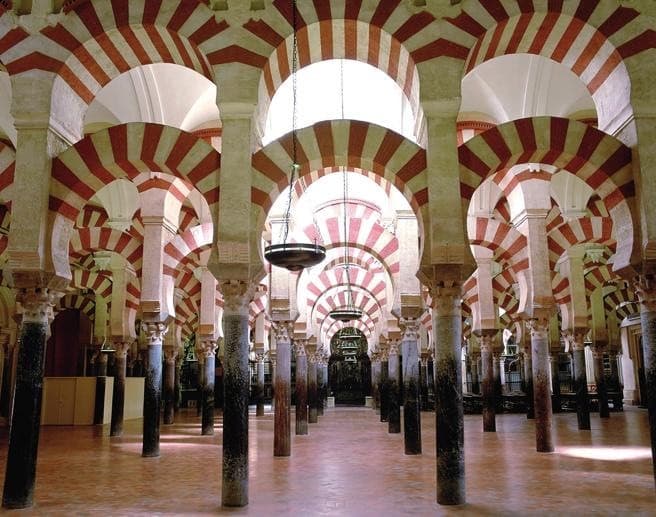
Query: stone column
x,y
540,381
375,381
313,393
170,354
282,390
103,357
208,349
234,476
176,381
393,391
411,402
600,380
155,331
527,364
122,348
301,387
259,408
450,449
321,383
20,473
201,380
475,384
487,360
645,286
579,378
423,381
555,382
497,363
384,385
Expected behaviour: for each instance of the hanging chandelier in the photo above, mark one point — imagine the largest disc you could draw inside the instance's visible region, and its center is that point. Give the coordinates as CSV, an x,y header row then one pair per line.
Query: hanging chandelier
x,y
293,256
350,312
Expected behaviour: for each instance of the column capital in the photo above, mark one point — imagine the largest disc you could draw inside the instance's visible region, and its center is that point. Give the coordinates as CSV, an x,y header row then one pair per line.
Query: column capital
x,y
598,350
237,294
538,324
299,346
575,337
37,303
206,346
409,328
486,340
259,357
393,347
283,330
446,299
155,331
645,288
121,346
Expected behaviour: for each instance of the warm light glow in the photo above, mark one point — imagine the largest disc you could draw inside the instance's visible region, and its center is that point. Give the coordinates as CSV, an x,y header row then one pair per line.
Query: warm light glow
x,y
607,453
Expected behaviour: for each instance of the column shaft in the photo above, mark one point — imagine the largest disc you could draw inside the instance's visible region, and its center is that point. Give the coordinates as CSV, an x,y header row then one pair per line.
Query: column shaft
x,y
20,473
169,388
313,394
207,420
528,384
118,397
411,405
301,391
489,409
152,400
393,403
581,387
259,409
600,381
282,386
384,390
541,387
555,383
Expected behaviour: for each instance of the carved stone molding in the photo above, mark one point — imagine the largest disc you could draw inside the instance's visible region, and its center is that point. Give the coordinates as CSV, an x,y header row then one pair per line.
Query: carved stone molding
x,y
576,338
299,346
155,331
410,328
446,300
237,294
37,304
486,341
282,330
122,347
206,347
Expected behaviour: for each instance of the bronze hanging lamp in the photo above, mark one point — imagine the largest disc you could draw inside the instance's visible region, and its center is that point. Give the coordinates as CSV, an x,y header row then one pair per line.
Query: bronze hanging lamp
x,y
293,256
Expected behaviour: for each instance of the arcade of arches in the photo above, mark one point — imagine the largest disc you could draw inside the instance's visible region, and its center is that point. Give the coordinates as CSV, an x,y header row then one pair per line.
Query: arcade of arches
x,y
499,230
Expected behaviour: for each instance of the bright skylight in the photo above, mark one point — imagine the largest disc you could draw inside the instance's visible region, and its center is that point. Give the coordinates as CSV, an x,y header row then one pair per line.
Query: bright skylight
x,y
369,95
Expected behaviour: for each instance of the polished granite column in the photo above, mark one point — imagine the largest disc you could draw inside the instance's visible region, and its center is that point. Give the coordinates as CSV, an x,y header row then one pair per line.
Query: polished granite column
x,y
600,380
170,354
322,376
488,393
375,381
475,382
393,389
20,473
313,393
122,348
645,286
527,364
579,378
301,388
555,382
155,331
236,380
411,402
282,390
208,349
449,419
540,382
259,407
384,386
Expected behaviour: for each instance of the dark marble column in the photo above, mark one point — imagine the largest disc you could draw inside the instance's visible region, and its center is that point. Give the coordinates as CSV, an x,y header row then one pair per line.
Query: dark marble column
x,y
170,353
375,381
541,386
646,290
259,401
449,428
475,383
496,374
579,378
487,366
208,347
313,393
600,380
155,331
301,388
236,374
527,363
555,382
321,384
118,398
282,440
201,380
393,389
384,386
423,382
102,364
411,406
20,473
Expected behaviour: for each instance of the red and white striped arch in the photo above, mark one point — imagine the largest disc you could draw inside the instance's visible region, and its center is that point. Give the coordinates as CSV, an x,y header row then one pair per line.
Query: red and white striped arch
x,y
7,166
182,245
305,181
597,230
91,215
83,303
601,161
508,245
331,144
100,283
591,38
125,151
622,301
504,292
560,288
336,326
87,240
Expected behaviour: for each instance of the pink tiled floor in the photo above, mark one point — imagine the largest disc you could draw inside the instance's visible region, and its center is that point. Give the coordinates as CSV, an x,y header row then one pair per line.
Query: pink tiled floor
x,y
349,465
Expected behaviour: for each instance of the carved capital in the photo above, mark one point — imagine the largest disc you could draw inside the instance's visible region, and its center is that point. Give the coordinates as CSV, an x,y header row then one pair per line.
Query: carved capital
x,y
206,347
282,330
645,288
575,338
410,328
393,348
237,294
538,326
486,341
37,303
446,299
122,347
598,350
299,346
155,331
259,357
